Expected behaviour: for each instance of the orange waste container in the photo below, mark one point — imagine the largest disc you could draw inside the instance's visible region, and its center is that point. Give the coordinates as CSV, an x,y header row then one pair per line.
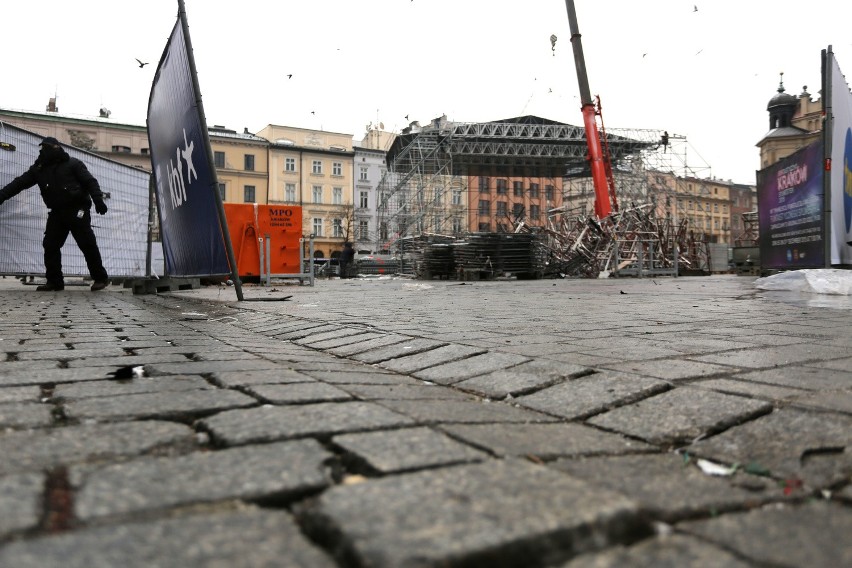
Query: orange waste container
x,y
281,225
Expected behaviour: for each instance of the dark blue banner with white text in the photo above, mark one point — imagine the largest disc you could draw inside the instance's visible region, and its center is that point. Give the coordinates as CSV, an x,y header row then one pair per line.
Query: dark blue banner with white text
x,y
193,242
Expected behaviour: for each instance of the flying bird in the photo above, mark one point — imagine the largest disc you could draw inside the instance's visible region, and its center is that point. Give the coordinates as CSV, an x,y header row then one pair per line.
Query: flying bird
x,y
141,65
312,112
289,75
406,117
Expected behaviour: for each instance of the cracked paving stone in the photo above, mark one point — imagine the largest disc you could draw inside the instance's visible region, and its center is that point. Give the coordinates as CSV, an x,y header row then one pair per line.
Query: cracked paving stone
x,y
299,393
158,405
47,448
464,411
521,379
20,502
680,415
672,551
507,513
248,537
545,441
783,535
669,486
93,389
407,449
25,415
270,423
592,394
252,472
789,443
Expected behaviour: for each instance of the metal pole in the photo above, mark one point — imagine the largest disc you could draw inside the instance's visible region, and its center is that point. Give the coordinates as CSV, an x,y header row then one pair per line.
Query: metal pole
x,y
827,126
268,260
220,208
260,249
149,253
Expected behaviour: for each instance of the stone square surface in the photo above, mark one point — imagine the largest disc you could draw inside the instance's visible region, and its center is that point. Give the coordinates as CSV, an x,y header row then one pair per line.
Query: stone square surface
x,y
455,371
20,502
158,405
299,393
463,411
521,379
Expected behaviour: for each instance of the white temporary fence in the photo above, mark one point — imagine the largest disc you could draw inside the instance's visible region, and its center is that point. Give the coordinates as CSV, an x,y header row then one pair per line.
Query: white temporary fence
x,y
122,233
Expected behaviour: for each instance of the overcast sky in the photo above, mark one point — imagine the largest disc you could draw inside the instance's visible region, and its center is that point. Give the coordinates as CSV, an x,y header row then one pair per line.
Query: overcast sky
x,y
701,69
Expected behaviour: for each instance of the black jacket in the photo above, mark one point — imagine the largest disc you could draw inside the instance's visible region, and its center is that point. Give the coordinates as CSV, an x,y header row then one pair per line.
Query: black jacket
x,y
65,184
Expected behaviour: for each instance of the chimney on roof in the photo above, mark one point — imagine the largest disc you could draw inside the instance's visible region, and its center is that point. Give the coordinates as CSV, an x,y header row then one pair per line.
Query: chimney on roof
x,y
51,105
245,130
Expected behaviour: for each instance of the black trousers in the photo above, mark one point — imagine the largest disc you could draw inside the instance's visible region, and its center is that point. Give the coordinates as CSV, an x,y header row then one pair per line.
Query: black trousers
x,y
59,224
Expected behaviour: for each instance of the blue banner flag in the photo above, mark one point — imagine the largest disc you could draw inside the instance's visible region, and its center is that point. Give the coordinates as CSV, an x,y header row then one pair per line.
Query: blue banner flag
x,y
193,240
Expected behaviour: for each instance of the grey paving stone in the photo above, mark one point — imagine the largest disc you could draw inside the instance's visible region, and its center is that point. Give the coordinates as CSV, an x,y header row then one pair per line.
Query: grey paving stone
x,y
670,369
367,376
405,391
92,389
350,349
299,393
789,443
673,551
128,360
680,415
544,441
592,394
25,415
260,377
747,388
437,356
406,348
179,404
407,449
761,357
69,354
203,367
248,537
346,340
455,371
496,513
20,394
522,379
811,534
261,471
39,375
305,332
836,364
271,423
42,449
669,486
20,502
463,411
314,338
838,401
802,377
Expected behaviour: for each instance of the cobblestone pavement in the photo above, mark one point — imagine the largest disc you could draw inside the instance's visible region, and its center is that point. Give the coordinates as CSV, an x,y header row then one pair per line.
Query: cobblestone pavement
x,y
392,423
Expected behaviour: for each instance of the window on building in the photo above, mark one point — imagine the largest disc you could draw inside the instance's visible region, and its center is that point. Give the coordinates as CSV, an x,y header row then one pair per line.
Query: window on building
x,y
518,188
121,149
483,184
337,196
437,223
337,225
457,225
535,212
502,186
219,159
290,192
143,151
317,194
363,174
484,207
501,208
222,191
724,208
383,231
439,196
363,230
715,208
689,205
248,194
534,190
363,201
548,192
316,167
484,227
248,163
518,210
337,168
457,197
289,164
317,225
501,228
716,224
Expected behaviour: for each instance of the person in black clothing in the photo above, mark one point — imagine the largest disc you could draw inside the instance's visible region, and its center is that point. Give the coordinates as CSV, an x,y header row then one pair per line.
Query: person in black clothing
x,y
68,191
346,258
